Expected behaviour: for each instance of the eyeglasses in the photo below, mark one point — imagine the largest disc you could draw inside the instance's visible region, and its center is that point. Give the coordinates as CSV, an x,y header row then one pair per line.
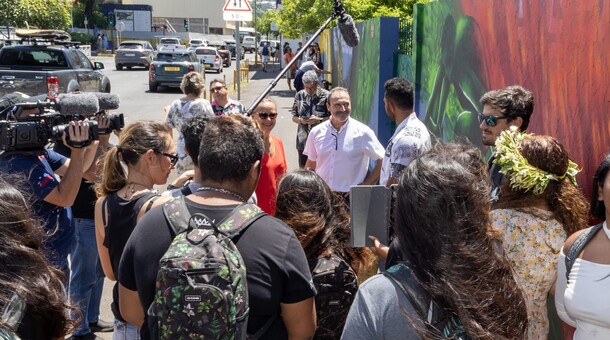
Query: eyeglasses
x,y
173,158
217,89
489,120
265,115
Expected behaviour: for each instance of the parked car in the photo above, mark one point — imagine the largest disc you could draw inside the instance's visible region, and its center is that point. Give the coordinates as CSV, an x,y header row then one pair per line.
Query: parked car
x,y
194,43
232,45
134,53
273,45
49,69
249,44
173,43
169,67
225,54
210,58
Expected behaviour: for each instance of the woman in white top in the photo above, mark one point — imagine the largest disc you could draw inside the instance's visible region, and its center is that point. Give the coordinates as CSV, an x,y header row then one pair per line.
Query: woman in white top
x,y
189,106
583,301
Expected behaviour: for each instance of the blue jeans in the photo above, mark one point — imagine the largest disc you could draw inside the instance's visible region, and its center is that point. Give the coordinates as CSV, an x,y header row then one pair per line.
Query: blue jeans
x,y
87,279
125,331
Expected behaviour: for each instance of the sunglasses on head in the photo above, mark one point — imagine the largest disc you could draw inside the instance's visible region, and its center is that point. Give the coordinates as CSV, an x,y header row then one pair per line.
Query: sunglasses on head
x,y
265,115
489,120
173,158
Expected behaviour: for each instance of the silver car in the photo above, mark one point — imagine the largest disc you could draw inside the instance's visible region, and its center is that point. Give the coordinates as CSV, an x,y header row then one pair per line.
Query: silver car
x,y
134,53
210,58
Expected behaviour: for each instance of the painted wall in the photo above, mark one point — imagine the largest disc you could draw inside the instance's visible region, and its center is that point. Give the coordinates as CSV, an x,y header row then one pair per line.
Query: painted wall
x,y
557,49
364,69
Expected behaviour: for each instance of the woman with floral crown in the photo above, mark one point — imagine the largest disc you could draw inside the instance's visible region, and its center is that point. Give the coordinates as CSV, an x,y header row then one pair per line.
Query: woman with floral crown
x,y
539,206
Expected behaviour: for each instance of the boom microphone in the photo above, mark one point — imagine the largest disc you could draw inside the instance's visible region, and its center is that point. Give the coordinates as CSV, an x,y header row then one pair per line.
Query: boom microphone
x,y
347,26
77,104
107,101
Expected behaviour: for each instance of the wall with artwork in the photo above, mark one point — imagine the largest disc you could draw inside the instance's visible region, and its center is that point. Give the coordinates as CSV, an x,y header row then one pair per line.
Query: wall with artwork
x,y
557,49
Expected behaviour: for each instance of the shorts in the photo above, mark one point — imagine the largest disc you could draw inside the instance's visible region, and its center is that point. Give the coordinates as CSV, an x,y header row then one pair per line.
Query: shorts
x,y
265,59
290,74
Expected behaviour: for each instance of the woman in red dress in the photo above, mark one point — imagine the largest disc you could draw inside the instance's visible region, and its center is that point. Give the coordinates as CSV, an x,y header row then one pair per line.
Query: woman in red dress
x,y
273,164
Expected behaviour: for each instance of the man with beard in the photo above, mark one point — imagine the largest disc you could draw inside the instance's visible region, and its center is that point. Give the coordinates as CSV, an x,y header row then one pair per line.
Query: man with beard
x,y
503,108
340,149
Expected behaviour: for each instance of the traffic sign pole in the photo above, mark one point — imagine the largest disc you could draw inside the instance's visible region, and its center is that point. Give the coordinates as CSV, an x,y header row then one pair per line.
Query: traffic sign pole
x,y
238,64
237,10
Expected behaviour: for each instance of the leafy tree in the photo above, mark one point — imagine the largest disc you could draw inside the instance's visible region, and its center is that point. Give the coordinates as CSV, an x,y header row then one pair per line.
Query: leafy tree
x,y
263,24
40,13
311,14
95,17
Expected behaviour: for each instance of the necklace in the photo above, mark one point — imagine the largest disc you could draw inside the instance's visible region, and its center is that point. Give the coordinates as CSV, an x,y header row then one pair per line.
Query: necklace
x,y
223,191
133,189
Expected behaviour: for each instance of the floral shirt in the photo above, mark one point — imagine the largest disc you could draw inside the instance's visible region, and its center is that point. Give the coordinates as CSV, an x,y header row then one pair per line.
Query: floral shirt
x,y
532,242
232,107
179,111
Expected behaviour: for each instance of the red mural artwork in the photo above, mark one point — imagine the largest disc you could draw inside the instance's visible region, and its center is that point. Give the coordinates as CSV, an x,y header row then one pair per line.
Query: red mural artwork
x,y
559,50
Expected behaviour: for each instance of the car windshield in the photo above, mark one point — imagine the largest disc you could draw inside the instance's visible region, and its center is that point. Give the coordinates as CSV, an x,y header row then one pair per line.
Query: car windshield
x,y
172,57
231,43
196,42
169,41
131,46
205,52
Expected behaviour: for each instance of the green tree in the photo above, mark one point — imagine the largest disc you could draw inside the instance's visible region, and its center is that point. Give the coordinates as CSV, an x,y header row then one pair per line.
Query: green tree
x,y
53,14
263,24
310,14
95,18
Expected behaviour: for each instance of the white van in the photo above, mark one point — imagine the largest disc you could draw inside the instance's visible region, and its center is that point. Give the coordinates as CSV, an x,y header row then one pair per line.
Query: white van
x,y
194,43
249,44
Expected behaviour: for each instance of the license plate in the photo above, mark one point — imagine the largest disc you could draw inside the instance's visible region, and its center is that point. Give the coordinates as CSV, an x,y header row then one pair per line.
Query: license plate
x,y
173,69
208,65
130,54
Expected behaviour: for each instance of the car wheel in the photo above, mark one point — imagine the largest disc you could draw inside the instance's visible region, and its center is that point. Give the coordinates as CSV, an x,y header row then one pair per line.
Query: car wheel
x,y
119,67
153,87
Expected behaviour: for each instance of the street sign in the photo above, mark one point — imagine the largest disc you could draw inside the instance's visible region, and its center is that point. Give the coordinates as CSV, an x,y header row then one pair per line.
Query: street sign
x,y
237,10
120,26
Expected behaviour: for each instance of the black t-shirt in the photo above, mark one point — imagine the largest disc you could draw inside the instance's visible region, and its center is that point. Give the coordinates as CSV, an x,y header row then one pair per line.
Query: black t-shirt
x,y
84,204
277,268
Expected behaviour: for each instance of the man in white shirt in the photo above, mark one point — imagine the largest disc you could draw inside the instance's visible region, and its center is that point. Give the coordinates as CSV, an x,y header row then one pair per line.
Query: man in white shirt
x,y
411,137
339,149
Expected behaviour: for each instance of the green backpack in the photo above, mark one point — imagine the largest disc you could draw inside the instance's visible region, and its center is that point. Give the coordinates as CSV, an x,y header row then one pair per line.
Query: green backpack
x,y
201,289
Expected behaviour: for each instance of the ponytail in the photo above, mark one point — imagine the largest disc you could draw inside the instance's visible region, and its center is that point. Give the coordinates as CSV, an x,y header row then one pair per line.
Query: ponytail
x,y
113,176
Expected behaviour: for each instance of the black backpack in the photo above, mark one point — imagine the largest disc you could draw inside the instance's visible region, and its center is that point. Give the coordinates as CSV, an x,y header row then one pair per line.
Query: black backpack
x,y
336,284
578,245
443,323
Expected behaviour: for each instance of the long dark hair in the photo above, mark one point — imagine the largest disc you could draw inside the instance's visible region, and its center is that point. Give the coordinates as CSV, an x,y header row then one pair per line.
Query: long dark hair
x,y
444,230
566,201
598,208
26,273
317,216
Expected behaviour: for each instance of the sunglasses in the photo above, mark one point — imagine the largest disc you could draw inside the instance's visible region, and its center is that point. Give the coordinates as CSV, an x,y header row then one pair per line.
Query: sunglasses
x,y
265,115
489,120
217,89
173,158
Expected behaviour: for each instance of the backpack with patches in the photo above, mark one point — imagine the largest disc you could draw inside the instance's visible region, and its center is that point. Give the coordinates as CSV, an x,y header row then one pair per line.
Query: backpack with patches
x,y
201,288
336,284
442,323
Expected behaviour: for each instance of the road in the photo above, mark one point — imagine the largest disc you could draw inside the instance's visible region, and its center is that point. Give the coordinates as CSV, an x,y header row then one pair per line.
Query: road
x,y
137,103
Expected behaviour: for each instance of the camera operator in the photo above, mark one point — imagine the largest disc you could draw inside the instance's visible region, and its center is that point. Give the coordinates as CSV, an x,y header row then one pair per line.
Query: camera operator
x,y
52,197
87,276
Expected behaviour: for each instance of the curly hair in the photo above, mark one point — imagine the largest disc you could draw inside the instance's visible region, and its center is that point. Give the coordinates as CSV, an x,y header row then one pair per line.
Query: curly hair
x,y
42,289
513,101
449,243
192,83
318,217
565,200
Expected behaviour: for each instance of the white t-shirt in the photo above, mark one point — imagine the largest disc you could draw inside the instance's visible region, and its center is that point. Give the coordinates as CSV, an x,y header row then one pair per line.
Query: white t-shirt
x,y
342,157
410,140
584,302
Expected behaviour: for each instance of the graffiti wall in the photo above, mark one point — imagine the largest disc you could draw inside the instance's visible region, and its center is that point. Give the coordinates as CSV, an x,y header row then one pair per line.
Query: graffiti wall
x,y
558,49
364,69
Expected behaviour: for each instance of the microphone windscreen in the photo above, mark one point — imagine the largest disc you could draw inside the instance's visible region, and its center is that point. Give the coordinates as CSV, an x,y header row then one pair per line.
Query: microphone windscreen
x,y
108,101
347,26
78,104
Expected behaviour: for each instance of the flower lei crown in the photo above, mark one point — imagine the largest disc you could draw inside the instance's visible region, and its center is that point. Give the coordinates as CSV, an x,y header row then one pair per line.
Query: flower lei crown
x,y
522,174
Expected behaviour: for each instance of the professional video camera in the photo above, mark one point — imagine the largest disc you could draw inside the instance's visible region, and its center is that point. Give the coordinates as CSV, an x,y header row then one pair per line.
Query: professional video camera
x,y
29,126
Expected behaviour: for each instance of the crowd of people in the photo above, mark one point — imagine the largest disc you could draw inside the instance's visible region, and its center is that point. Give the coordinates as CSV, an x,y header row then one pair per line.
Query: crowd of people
x,y
483,249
